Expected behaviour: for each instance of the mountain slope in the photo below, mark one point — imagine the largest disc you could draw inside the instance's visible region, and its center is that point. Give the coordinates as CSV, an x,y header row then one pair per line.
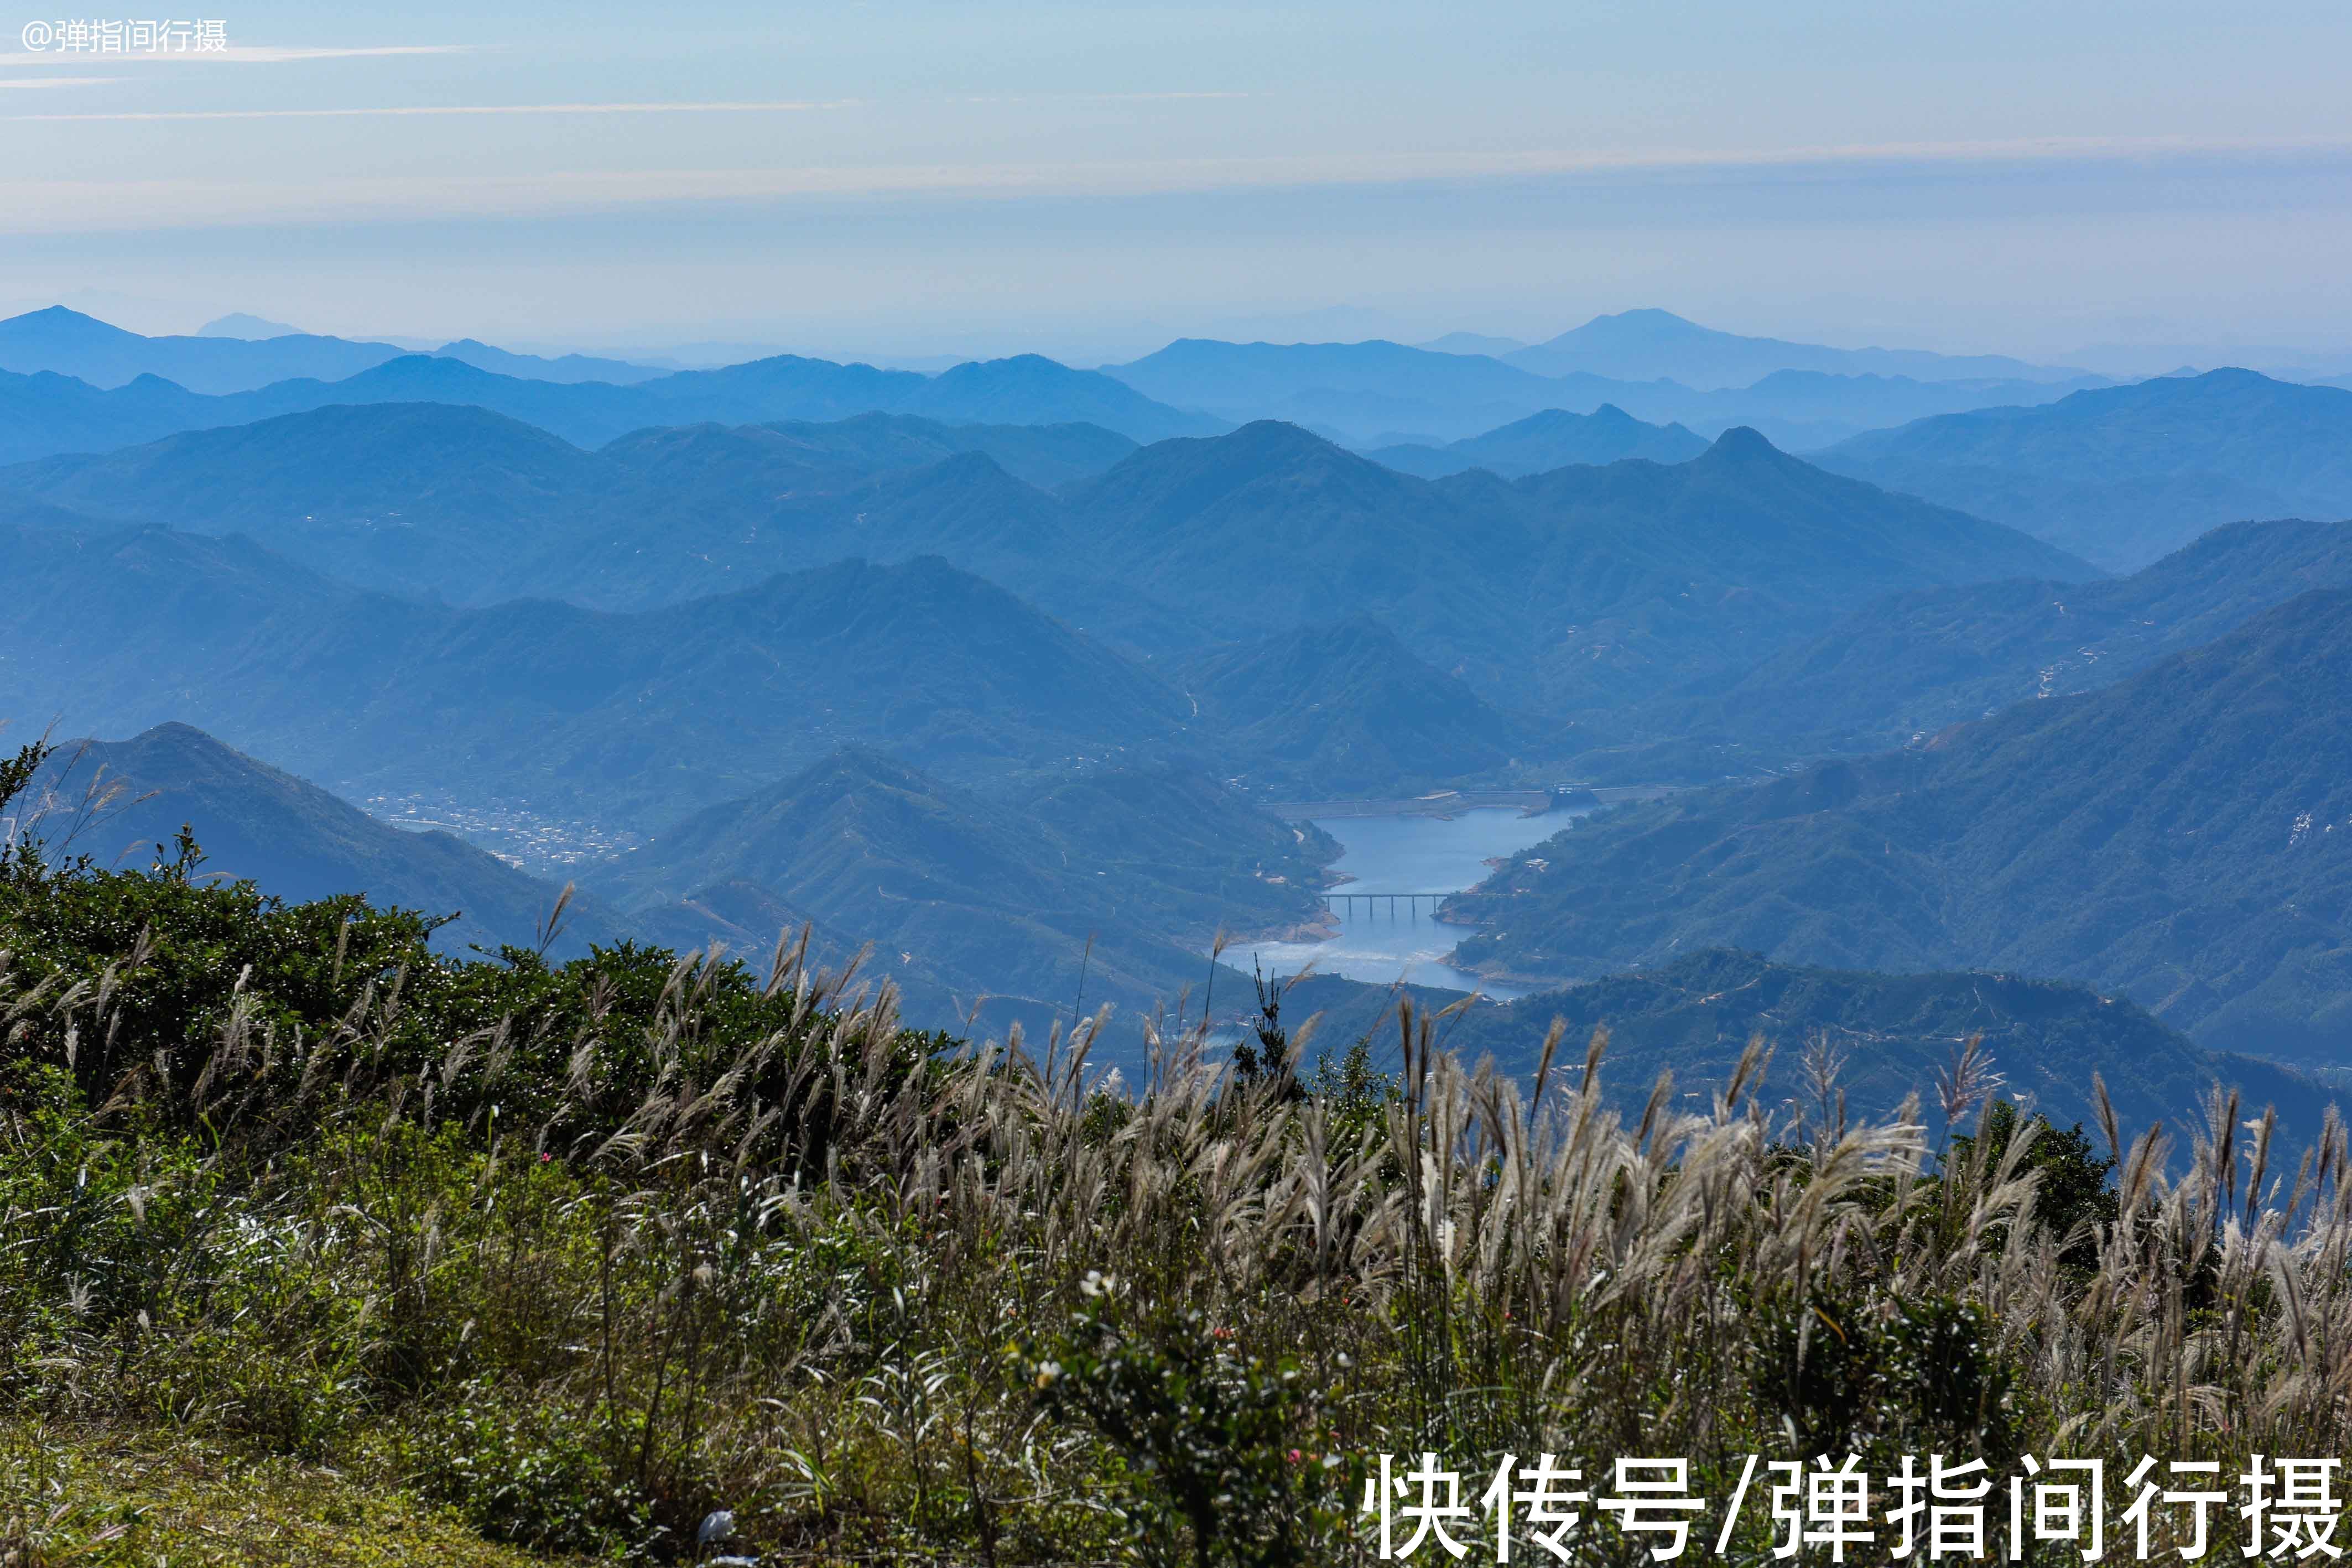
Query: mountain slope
x,y
290,838
540,368
997,895
627,718
1030,389
44,412
2184,837
1580,587
2124,474
1345,709
409,497
467,505
1902,668
1542,442
1655,572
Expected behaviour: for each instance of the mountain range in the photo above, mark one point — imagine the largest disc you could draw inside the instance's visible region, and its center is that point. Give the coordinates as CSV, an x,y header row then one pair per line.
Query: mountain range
x,y
470,505
1646,345
2172,837
1371,391
1577,588
1346,710
50,413
1581,587
1903,668
72,344
2120,475
637,719
1542,442
1127,874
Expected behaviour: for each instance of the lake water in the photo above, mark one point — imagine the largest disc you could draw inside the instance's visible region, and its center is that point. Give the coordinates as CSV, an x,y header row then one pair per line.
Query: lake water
x,y
1405,854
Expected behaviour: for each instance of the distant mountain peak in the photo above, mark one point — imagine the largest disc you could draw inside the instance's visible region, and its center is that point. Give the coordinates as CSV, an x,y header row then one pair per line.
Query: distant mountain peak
x,y
251,329
57,325
1741,444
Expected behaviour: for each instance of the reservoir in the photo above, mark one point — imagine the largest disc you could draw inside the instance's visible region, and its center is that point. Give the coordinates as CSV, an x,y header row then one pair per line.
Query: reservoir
x,y
1405,854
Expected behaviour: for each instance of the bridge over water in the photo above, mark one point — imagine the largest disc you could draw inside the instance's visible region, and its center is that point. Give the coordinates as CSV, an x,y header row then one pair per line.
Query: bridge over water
x,y
1372,903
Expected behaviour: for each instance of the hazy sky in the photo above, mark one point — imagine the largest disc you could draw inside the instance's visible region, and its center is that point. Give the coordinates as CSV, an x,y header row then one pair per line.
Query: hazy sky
x,y
1091,179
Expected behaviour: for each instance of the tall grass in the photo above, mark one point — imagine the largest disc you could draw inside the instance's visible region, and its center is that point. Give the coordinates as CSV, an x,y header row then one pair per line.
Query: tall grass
x,y
652,1237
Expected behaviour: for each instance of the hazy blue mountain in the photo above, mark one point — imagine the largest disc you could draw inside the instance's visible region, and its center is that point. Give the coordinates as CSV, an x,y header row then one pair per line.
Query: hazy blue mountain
x,y
238,324
1365,390
1542,442
789,453
1472,343
471,506
118,801
540,368
1902,668
2121,475
1346,709
980,894
73,344
46,413
626,719
1804,410
1650,345
1030,389
23,511
1694,1016
48,417
1584,586
2183,836
1253,379
426,497
1579,587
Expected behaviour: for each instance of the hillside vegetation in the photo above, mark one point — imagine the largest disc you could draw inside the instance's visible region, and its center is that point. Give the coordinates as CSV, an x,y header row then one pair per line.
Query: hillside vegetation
x,y
1110,885
1904,668
2121,475
2183,836
639,718
123,803
580,1254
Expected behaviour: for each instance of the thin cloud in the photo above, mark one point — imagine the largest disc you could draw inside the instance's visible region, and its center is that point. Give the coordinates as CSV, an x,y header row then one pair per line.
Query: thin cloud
x,y
59,81
234,54
74,207
1100,96
441,108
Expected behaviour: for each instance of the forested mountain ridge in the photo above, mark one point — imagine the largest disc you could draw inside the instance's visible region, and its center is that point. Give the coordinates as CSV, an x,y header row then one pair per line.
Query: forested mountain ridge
x,y
53,414
1902,668
1109,884
2183,836
467,505
124,802
2121,475
639,718
1348,710
1542,442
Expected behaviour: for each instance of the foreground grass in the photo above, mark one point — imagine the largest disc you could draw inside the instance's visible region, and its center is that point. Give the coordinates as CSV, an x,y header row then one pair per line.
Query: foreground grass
x,y
582,1254
108,1501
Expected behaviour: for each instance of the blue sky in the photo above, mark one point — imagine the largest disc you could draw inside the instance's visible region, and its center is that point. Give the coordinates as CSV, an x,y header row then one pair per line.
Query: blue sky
x,y
1089,180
